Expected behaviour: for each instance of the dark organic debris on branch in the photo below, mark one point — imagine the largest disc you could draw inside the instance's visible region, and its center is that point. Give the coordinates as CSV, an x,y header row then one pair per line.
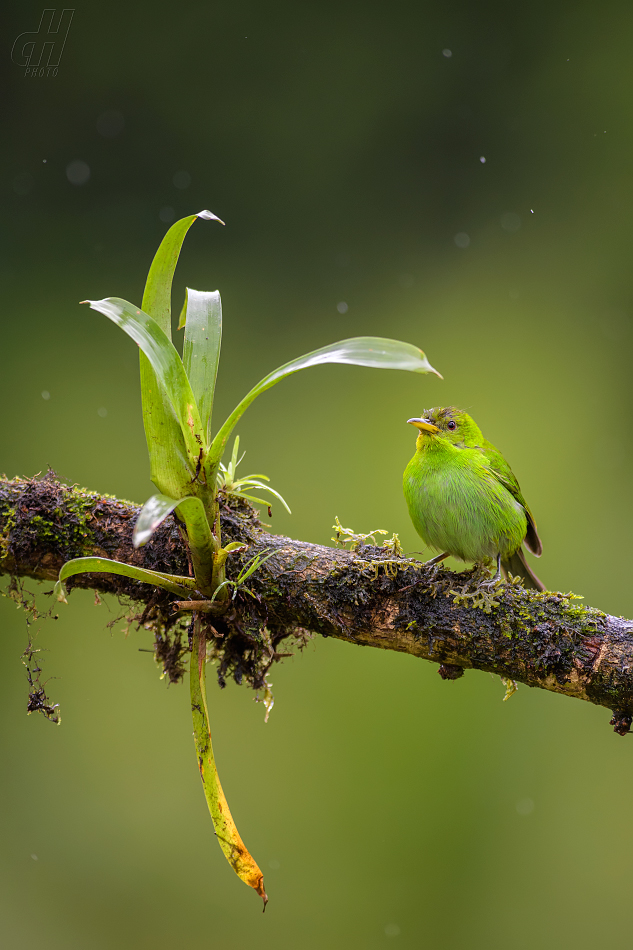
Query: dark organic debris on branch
x,y
367,597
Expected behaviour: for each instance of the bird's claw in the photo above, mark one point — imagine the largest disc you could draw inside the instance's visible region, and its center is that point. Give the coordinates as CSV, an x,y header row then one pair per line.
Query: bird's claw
x,y
492,582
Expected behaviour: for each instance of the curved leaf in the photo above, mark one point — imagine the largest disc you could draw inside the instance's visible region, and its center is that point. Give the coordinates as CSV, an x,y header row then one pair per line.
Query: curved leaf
x,y
166,364
169,469
157,294
202,320
234,849
103,565
259,486
373,351
201,541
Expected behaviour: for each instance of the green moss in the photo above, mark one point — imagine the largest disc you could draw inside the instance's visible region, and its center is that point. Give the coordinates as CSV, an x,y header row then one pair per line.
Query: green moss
x,y
9,519
68,526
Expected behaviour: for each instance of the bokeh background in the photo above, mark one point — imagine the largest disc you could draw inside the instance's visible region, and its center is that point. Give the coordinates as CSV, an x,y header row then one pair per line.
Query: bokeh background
x,y
454,174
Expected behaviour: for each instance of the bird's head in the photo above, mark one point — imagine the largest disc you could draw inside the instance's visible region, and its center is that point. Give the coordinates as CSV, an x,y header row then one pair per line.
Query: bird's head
x,y
448,423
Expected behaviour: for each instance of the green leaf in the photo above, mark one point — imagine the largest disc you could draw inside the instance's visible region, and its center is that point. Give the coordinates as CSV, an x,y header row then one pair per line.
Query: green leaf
x,y
103,565
370,351
154,512
259,486
202,315
166,364
253,565
157,294
169,468
226,832
152,515
201,541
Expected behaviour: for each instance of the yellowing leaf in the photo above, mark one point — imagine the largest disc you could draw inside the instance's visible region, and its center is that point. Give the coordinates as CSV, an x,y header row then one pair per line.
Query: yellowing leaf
x,y
234,849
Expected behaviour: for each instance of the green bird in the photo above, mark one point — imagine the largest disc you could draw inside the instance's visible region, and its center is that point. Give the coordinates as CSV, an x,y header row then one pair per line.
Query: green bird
x,y
463,497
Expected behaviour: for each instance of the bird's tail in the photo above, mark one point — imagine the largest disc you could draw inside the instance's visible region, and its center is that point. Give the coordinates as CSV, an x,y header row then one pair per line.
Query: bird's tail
x,y
517,565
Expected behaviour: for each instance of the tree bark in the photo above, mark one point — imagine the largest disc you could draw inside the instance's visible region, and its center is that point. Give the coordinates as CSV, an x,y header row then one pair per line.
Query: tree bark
x,y
367,597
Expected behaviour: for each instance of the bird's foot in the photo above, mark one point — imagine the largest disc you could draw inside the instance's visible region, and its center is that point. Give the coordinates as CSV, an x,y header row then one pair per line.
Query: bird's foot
x,y
492,582
496,577
480,590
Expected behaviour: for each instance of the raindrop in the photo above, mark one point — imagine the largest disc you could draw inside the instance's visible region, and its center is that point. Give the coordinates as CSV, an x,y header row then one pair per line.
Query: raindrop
x,y
447,53
35,857
46,394
525,806
110,124
167,214
342,307
274,864
482,160
462,239
392,930
102,412
182,179
77,172
510,222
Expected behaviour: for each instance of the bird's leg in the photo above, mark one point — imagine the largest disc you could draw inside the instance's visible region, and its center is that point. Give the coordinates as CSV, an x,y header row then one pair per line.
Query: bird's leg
x,y
496,576
437,559
434,562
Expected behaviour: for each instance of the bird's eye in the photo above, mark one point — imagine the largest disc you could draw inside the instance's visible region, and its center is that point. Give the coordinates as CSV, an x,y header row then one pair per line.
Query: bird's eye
x,y
451,425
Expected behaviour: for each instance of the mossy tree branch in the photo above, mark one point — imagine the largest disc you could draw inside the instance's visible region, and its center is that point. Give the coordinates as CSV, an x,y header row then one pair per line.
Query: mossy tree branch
x,y
366,597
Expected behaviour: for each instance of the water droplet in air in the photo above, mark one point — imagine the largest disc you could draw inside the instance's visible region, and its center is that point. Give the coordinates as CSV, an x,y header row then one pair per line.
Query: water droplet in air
x,y
342,307
110,124
510,222
182,179
461,239
447,53
77,172
482,160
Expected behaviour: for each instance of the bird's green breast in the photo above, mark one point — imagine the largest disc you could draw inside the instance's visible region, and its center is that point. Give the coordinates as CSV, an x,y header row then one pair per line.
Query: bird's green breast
x,y
458,505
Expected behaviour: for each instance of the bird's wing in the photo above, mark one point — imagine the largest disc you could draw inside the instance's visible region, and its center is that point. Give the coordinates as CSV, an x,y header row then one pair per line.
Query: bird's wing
x,y
506,476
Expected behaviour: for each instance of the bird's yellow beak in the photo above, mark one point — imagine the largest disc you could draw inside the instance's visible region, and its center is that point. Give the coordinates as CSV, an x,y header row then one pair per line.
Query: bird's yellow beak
x,y
423,425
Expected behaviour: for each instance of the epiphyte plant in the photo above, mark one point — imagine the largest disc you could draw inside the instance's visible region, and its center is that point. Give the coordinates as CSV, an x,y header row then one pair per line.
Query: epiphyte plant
x,y
186,467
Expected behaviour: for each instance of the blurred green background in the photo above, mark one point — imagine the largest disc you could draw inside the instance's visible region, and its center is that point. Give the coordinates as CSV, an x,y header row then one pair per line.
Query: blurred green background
x,y
343,144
